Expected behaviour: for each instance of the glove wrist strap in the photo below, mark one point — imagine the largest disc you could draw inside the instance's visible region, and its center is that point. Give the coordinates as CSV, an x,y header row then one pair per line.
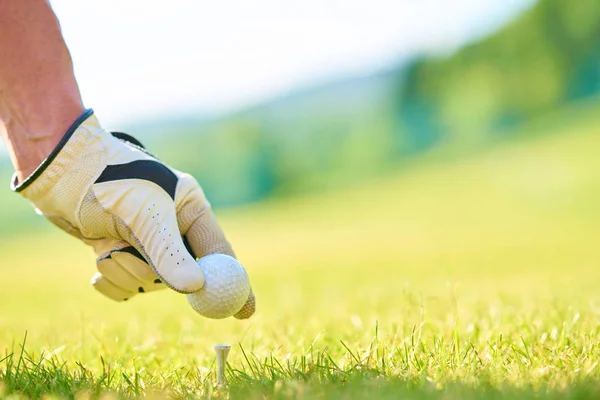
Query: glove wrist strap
x,y
20,186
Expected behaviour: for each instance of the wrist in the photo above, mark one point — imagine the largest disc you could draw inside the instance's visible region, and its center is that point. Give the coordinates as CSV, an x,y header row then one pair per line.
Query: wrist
x,y
31,140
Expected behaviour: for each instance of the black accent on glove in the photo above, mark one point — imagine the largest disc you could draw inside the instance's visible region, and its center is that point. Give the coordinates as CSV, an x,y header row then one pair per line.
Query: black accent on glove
x,y
148,170
129,139
131,250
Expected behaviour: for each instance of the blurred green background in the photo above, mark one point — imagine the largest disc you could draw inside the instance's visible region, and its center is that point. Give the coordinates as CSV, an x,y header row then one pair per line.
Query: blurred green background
x,y
347,131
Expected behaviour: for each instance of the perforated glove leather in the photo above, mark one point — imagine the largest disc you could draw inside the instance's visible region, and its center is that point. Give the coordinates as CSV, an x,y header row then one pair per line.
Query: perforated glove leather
x,y
137,213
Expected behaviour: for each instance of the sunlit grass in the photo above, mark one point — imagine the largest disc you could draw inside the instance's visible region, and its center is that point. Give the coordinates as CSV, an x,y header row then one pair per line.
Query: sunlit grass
x,y
475,278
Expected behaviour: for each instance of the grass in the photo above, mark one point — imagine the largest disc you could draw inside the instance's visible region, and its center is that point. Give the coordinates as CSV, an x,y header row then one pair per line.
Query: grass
x,y
468,279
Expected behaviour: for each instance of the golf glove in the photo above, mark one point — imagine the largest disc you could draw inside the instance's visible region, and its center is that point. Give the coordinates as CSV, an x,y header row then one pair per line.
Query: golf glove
x,y
146,222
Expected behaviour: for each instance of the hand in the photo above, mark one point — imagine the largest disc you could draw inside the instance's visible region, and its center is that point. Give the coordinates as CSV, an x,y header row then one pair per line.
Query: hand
x,y
133,210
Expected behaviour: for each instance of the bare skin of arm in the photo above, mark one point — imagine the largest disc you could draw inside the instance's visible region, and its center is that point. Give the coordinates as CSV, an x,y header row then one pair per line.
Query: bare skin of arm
x,y
39,96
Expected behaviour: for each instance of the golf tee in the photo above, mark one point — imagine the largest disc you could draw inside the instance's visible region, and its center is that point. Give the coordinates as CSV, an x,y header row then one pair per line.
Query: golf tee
x,y
221,351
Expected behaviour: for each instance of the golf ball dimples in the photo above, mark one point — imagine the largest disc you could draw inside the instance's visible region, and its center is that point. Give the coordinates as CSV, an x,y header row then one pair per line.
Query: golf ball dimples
x,y
226,287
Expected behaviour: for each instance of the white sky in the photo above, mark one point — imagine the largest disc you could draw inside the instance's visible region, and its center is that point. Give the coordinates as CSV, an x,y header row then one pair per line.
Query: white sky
x,y
137,59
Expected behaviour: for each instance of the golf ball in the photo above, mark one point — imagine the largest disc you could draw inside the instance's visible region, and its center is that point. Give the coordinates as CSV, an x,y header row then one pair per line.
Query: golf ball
x,y
226,287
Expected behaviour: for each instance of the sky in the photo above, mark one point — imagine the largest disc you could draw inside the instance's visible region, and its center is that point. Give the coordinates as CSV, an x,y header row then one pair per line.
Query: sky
x,y
138,60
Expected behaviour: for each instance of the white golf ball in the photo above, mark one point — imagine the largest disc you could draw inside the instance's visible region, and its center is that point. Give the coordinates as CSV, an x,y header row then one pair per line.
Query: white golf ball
x,y
226,287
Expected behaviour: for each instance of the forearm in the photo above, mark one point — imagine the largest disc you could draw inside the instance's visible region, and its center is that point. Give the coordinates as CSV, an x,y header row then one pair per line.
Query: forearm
x,y
39,96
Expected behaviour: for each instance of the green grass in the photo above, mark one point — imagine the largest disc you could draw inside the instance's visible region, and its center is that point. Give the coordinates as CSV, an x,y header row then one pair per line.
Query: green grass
x,y
468,279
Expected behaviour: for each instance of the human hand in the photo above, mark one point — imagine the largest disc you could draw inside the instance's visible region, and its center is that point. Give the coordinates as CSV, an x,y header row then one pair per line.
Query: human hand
x,y
132,209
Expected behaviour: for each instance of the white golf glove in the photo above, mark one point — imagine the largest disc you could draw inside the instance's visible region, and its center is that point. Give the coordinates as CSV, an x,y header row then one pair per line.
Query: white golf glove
x,y
136,213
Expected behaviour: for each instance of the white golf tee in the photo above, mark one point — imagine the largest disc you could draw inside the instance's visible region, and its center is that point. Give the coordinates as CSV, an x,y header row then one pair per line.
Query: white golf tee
x,y
222,351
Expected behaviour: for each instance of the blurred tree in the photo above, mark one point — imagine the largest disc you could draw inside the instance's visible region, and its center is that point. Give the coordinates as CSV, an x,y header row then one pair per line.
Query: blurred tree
x,y
547,57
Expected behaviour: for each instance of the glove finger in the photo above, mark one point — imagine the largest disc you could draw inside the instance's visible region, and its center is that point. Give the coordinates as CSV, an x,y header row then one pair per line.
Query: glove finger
x,y
248,309
206,237
113,271
134,263
109,289
200,226
127,268
149,223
